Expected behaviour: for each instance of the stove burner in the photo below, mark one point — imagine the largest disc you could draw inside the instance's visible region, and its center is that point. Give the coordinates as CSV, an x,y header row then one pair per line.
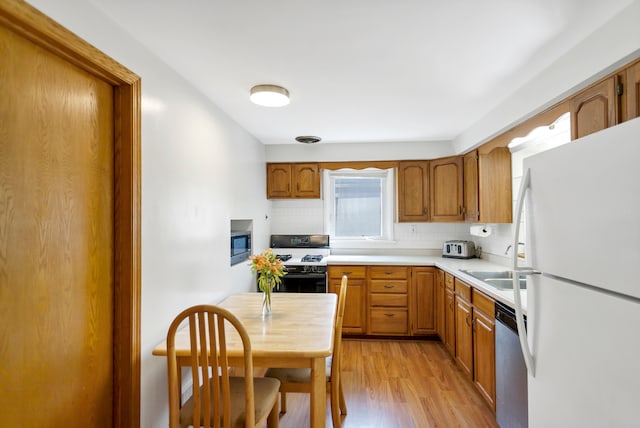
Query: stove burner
x,y
283,257
312,258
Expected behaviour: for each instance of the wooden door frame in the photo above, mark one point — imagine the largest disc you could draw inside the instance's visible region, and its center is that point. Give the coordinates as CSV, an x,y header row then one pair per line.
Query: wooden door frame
x,y
28,22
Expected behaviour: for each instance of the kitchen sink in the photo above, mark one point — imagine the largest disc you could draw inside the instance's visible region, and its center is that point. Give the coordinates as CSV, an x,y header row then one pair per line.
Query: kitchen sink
x,y
502,280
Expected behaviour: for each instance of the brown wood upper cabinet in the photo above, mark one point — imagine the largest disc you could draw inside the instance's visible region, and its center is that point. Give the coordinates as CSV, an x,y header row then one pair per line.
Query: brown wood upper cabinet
x,y
293,180
633,91
446,181
494,185
413,191
471,205
594,108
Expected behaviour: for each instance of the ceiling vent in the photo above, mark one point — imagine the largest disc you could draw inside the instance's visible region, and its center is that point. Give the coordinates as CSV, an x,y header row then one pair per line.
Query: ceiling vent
x,y
307,139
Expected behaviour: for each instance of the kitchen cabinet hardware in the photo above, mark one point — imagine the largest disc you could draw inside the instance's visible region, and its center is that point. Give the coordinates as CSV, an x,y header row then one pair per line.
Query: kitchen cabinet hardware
x,y
389,286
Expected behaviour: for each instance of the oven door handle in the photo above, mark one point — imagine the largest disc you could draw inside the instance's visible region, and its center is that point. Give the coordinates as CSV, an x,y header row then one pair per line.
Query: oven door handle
x,y
304,276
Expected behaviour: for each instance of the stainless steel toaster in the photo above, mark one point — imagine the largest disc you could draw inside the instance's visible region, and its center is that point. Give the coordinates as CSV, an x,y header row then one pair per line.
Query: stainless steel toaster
x,y
459,249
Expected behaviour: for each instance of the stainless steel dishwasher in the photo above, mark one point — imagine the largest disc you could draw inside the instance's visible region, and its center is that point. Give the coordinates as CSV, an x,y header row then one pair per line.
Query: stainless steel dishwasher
x,y
511,372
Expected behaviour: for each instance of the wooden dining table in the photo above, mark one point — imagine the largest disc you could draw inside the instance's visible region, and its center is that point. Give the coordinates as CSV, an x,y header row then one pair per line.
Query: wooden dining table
x,y
298,333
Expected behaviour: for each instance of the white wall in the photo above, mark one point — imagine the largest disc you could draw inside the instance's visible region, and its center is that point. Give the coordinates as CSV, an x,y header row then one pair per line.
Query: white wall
x,y
609,47
199,171
358,151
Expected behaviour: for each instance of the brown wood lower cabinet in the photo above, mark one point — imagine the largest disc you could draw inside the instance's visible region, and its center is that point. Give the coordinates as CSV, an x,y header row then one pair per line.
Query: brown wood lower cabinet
x,y
484,354
423,317
449,338
388,300
464,335
354,310
475,338
439,303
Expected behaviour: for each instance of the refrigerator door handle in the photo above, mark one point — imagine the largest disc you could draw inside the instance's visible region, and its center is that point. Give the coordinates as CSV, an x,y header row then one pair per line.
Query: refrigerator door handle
x,y
522,331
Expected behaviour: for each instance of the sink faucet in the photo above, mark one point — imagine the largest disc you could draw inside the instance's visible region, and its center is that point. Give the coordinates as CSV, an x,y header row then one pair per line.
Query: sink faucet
x,y
509,247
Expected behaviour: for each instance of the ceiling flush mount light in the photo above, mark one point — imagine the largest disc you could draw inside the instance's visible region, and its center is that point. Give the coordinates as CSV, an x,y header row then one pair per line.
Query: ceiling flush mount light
x,y
269,95
307,139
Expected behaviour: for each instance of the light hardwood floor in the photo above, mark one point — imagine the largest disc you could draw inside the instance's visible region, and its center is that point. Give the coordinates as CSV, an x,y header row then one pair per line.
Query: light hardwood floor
x,y
399,384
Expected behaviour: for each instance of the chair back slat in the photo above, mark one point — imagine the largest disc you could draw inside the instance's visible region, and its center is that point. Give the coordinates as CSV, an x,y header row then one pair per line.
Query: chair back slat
x,y
337,338
209,367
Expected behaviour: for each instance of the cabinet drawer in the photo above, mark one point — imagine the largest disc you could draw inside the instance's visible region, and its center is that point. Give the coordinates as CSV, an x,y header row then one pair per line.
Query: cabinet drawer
x,y
388,272
395,300
483,303
448,280
392,286
350,271
389,321
462,289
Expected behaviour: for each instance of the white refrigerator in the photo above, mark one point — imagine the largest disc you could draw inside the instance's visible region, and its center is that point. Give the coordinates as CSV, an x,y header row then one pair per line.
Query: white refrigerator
x,y
582,343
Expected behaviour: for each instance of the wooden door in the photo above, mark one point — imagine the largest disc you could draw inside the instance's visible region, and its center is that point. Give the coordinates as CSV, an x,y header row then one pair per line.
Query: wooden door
x,y
594,109
278,180
446,193
633,91
69,273
471,205
307,180
424,299
464,336
413,191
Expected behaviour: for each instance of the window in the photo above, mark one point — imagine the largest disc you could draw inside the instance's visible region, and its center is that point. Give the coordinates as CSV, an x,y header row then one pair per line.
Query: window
x,y
359,204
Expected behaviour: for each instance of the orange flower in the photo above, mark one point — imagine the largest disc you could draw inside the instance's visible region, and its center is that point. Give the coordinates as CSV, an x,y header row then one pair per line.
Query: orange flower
x,y
270,270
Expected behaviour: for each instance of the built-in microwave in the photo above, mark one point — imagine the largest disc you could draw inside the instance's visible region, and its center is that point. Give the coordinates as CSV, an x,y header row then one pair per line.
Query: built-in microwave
x,y
240,247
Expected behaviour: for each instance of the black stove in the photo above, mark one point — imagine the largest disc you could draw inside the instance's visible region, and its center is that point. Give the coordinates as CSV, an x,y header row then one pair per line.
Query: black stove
x,y
302,256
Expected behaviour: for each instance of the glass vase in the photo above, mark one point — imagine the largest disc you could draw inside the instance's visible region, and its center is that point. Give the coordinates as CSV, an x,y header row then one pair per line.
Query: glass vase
x,y
266,303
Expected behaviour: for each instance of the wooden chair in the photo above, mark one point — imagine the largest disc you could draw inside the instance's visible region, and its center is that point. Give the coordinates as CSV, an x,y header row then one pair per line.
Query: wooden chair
x,y
220,400
299,379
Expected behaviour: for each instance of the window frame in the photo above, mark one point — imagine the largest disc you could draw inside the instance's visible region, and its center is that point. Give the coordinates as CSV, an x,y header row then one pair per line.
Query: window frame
x,y
387,197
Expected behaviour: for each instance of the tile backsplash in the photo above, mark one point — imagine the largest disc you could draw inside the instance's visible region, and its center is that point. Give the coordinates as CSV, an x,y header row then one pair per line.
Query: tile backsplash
x,y
292,216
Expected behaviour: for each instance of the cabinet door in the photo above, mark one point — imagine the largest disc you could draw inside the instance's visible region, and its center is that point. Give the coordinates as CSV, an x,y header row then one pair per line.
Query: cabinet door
x,y
464,336
354,307
446,179
450,322
440,304
424,296
594,109
471,205
278,180
306,180
413,191
496,198
633,91
484,359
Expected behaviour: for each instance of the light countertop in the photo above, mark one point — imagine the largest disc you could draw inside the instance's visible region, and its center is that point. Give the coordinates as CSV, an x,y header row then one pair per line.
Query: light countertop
x,y
453,266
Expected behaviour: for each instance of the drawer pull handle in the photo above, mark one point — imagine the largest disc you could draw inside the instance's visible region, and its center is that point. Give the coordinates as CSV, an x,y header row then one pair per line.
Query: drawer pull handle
x,y
388,314
347,273
388,273
389,286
